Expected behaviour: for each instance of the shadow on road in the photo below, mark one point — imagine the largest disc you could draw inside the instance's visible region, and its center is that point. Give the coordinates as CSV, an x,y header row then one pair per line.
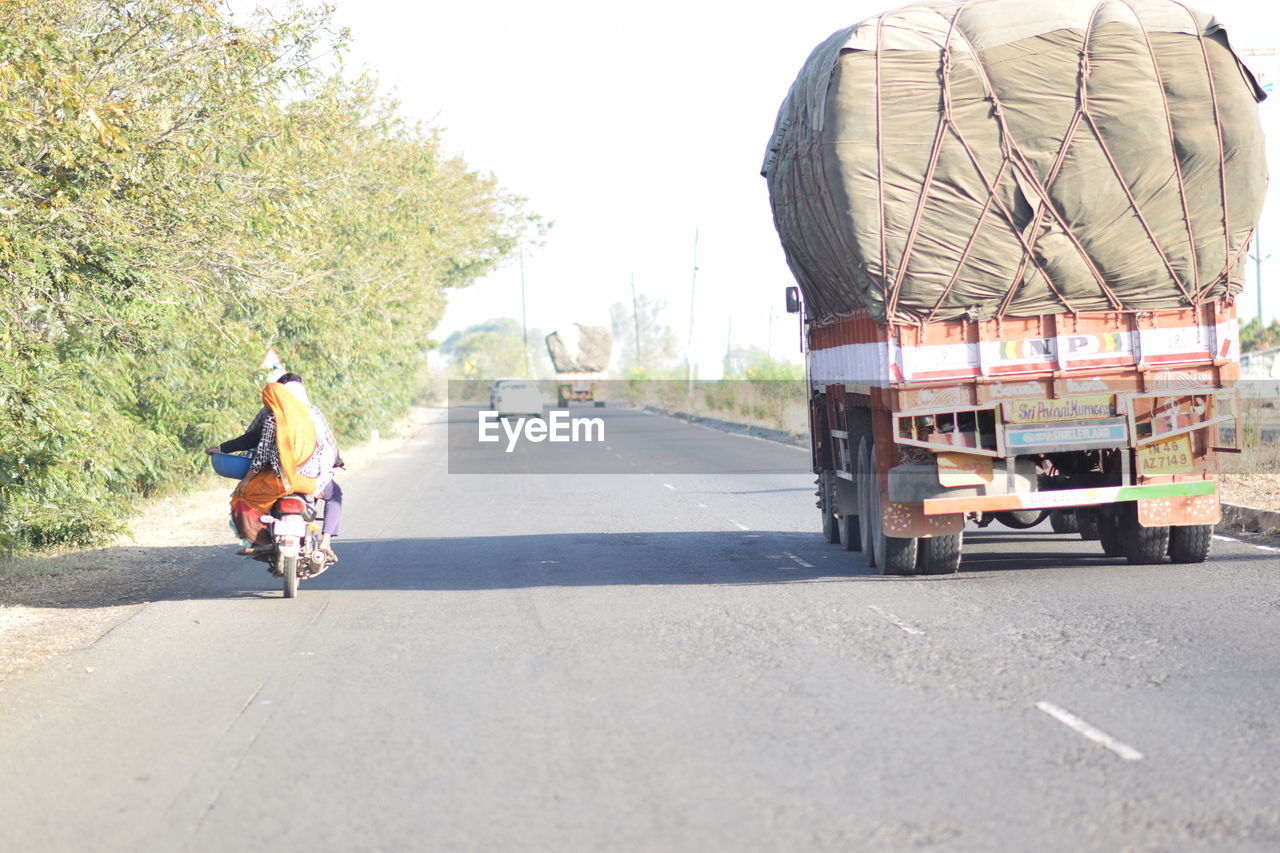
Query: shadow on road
x,y
558,560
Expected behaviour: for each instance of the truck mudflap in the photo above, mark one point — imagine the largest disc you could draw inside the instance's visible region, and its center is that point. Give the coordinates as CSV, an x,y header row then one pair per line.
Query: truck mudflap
x,y
909,521
1173,502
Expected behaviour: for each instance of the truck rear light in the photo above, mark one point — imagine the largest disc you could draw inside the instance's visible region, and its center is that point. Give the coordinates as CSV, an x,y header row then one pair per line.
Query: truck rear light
x,y
291,506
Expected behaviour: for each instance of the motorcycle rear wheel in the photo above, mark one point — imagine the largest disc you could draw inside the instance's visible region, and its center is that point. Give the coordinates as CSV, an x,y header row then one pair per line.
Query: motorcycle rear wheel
x,y
289,568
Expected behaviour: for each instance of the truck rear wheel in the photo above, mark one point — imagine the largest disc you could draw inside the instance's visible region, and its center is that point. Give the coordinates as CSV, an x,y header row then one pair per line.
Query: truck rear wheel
x,y
1064,521
1109,535
827,506
850,535
1087,520
1021,519
940,555
894,555
1190,543
863,481
1143,546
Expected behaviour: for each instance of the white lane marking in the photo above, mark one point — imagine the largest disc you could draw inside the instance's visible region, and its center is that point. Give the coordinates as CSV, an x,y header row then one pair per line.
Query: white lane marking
x,y
669,486
906,626
739,524
1090,731
799,562
701,504
1245,542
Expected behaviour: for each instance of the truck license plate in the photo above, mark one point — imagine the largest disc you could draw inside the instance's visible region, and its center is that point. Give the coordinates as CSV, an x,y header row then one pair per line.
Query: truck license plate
x,y
1166,457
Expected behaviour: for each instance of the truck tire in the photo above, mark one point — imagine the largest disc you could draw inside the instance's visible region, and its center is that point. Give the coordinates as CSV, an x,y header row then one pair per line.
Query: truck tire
x,y
1087,519
850,535
1190,543
1064,521
1109,535
827,506
940,555
1021,519
864,478
896,555
893,554
1143,546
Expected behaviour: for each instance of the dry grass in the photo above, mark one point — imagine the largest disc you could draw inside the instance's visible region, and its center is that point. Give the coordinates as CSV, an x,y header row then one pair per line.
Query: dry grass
x,y
55,602
1252,478
195,518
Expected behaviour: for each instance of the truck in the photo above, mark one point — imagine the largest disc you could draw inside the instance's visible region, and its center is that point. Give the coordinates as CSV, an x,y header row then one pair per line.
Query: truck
x,y
1017,240
580,355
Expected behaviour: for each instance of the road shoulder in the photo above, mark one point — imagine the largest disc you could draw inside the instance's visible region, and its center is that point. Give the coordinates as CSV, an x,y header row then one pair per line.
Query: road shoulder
x,y
63,602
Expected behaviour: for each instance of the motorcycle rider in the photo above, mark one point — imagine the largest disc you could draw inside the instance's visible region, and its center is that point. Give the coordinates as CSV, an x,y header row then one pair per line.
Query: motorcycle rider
x,y
274,472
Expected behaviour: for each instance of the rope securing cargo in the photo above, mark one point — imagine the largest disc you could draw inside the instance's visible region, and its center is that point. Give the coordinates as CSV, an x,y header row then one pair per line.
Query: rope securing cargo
x,y
1002,158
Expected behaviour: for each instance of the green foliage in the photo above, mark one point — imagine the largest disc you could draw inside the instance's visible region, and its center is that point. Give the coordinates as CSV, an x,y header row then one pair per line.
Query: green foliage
x,y
756,364
486,351
1255,336
177,192
494,349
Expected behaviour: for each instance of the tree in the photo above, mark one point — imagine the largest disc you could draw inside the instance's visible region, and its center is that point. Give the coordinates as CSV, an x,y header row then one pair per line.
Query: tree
x,y
658,349
495,348
756,364
178,191
1254,336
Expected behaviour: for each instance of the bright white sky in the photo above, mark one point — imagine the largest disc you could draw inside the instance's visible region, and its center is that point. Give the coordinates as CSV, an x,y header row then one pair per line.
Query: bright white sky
x,y
632,125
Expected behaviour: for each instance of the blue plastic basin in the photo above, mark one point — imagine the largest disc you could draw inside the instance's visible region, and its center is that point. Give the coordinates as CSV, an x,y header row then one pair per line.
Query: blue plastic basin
x,y
230,465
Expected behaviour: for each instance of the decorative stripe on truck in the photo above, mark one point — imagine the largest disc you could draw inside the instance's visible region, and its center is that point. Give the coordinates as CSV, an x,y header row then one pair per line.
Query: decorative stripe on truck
x,y
1068,497
881,362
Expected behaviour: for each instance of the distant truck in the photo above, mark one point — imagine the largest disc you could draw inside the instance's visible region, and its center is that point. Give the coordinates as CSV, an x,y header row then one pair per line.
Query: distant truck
x,y
1018,239
580,355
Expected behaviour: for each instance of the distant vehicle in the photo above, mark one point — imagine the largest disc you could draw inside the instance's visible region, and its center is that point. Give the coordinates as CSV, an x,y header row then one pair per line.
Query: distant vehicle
x,y
580,355
497,383
518,397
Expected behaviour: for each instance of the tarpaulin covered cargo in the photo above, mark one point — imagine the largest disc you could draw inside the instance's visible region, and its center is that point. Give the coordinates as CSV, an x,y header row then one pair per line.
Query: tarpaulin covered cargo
x,y
580,349
1002,157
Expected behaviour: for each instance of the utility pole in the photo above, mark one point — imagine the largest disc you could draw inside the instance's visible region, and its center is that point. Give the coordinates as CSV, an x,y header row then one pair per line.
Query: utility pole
x,y
635,316
524,321
728,347
1257,257
693,289
769,349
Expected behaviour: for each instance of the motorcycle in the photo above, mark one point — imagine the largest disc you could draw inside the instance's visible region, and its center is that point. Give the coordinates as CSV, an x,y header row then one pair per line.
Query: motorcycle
x,y
295,523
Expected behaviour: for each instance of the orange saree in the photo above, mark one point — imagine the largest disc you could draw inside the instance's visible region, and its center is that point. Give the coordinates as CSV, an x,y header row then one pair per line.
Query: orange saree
x,y
295,438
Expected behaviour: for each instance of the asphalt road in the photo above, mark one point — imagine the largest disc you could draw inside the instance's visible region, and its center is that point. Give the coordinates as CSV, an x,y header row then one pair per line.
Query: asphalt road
x,y
657,661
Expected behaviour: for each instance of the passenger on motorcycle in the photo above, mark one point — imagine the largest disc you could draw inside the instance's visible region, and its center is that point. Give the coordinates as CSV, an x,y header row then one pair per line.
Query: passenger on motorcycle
x,y
294,453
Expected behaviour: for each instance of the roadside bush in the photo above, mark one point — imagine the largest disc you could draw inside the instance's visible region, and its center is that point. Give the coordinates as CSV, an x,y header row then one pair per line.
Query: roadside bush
x,y
178,192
